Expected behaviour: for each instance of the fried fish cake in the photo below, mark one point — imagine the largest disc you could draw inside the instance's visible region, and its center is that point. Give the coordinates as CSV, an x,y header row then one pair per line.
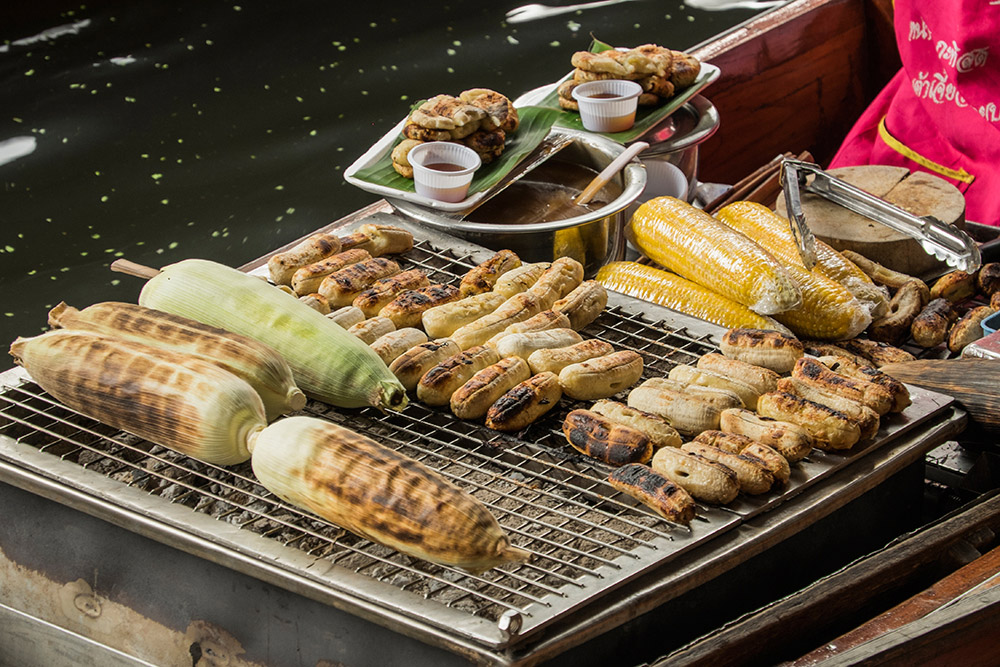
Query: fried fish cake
x,y
500,112
399,157
416,132
445,112
685,69
487,143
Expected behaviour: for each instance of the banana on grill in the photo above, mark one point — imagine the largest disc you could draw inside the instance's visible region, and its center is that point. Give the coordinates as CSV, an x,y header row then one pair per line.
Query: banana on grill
x,y
283,265
706,378
790,440
769,349
672,291
167,397
830,429
686,413
606,440
259,364
706,480
752,475
656,428
693,244
378,493
867,393
761,379
482,277
655,491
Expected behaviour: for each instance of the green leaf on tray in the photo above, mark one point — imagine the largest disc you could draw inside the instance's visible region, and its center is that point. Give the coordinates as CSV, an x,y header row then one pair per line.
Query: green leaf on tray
x,y
535,123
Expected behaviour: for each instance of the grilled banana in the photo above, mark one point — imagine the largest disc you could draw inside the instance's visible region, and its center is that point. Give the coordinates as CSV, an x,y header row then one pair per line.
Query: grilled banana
x,y
526,402
357,240
705,480
384,290
601,377
655,491
343,286
308,278
517,308
386,239
283,265
410,366
706,378
438,384
771,459
770,349
442,321
866,418
561,278
583,304
720,398
559,358
484,276
390,345
523,344
734,443
686,413
900,394
347,316
761,379
867,393
407,309
317,302
482,390
606,440
790,440
371,329
656,428
520,279
753,476
547,319
829,428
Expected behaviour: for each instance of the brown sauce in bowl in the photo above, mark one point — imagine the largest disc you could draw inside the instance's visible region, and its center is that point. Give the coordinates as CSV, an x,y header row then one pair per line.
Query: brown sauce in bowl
x,y
544,195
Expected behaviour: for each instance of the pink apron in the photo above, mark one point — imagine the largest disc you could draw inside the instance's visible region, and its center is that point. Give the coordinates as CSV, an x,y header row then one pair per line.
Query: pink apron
x,y
941,112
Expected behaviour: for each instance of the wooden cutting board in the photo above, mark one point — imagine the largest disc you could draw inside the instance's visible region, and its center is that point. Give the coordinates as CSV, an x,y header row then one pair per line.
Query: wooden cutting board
x,y
917,192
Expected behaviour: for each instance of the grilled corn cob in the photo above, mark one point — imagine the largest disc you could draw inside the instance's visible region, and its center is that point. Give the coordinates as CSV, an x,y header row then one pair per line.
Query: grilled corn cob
x,y
773,232
378,493
166,397
693,244
327,362
672,291
259,364
829,311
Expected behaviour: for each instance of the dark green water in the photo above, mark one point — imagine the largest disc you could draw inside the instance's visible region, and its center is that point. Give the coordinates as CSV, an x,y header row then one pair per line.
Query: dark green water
x,y
163,130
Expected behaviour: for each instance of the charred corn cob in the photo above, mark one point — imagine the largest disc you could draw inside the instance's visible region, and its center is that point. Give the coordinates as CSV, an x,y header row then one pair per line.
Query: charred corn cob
x,y
166,397
378,493
672,291
259,364
693,244
773,232
327,362
828,310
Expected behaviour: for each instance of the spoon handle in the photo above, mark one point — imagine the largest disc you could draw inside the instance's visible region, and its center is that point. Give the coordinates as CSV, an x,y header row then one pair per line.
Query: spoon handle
x,y
613,168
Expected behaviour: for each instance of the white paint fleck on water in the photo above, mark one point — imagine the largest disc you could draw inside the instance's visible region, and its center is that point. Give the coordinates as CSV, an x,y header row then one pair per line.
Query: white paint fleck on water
x,y
512,40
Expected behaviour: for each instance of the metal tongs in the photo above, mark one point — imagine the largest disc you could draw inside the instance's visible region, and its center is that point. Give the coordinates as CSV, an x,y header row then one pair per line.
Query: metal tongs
x,y
949,244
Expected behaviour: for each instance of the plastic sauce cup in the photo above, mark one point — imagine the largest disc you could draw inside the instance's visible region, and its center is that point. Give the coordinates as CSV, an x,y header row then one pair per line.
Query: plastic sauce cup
x,y
609,105
442,170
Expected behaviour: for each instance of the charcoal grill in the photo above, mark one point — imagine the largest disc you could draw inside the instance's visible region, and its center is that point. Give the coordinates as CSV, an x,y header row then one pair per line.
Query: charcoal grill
x,y
598,558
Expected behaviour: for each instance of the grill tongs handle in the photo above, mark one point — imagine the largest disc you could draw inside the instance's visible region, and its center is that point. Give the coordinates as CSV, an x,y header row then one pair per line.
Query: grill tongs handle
x,y
947,243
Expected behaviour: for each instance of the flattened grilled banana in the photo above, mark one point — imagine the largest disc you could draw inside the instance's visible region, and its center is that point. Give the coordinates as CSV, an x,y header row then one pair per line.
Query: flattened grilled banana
x,y
283,265
720,398
408,308
384,290
442,321
601,377
372,329
482,277
862,371
389,346
770,349
520,279
706,378
829,428
543,321
705,480
655,491
525,403
561,278
559,358
437,385
523,344
867,393
583,304
761,379
387,239
343,286
654,427
790,440
410,366
753,476
686,413
517,308
606,440
482,390
866,418
308,278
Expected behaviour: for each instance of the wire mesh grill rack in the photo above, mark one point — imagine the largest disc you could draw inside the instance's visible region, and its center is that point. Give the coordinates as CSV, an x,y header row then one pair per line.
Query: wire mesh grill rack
x,y
585,537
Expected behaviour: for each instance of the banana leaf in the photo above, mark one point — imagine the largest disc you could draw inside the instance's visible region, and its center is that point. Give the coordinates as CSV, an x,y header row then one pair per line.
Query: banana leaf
x,y
535,123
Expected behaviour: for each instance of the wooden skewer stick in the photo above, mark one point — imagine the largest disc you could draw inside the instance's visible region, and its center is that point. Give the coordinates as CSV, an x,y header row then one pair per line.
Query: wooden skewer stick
x,y
134,269
613,168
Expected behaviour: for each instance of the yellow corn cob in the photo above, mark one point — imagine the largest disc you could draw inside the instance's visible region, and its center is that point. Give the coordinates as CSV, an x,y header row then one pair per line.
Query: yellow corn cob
x,y
693,244
166,397
259,364
378,493
828,310
328,363
666,289
773,231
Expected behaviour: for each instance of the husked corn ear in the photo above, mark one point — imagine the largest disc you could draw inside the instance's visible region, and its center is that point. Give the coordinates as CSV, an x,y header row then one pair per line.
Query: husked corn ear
x,y
259,364
378,493
774,232
670,290
693,244
169,398
828,311
327,362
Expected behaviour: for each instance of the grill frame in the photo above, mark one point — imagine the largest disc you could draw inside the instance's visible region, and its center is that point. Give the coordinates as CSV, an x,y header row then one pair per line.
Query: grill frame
x,y
172,523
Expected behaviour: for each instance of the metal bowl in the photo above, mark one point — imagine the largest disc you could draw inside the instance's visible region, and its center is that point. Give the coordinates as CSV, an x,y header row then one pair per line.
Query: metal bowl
x,y
594,238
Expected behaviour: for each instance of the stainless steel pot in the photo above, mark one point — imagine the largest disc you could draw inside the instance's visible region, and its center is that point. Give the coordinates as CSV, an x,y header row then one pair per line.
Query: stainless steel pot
x,y
595,238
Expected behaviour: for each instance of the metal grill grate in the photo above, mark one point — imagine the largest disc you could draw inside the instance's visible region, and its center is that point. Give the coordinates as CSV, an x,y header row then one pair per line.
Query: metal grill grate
x,y
585,537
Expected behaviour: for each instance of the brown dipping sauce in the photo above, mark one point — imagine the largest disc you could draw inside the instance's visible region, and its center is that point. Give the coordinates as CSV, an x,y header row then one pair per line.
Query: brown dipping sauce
x,y
544,195
444,166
